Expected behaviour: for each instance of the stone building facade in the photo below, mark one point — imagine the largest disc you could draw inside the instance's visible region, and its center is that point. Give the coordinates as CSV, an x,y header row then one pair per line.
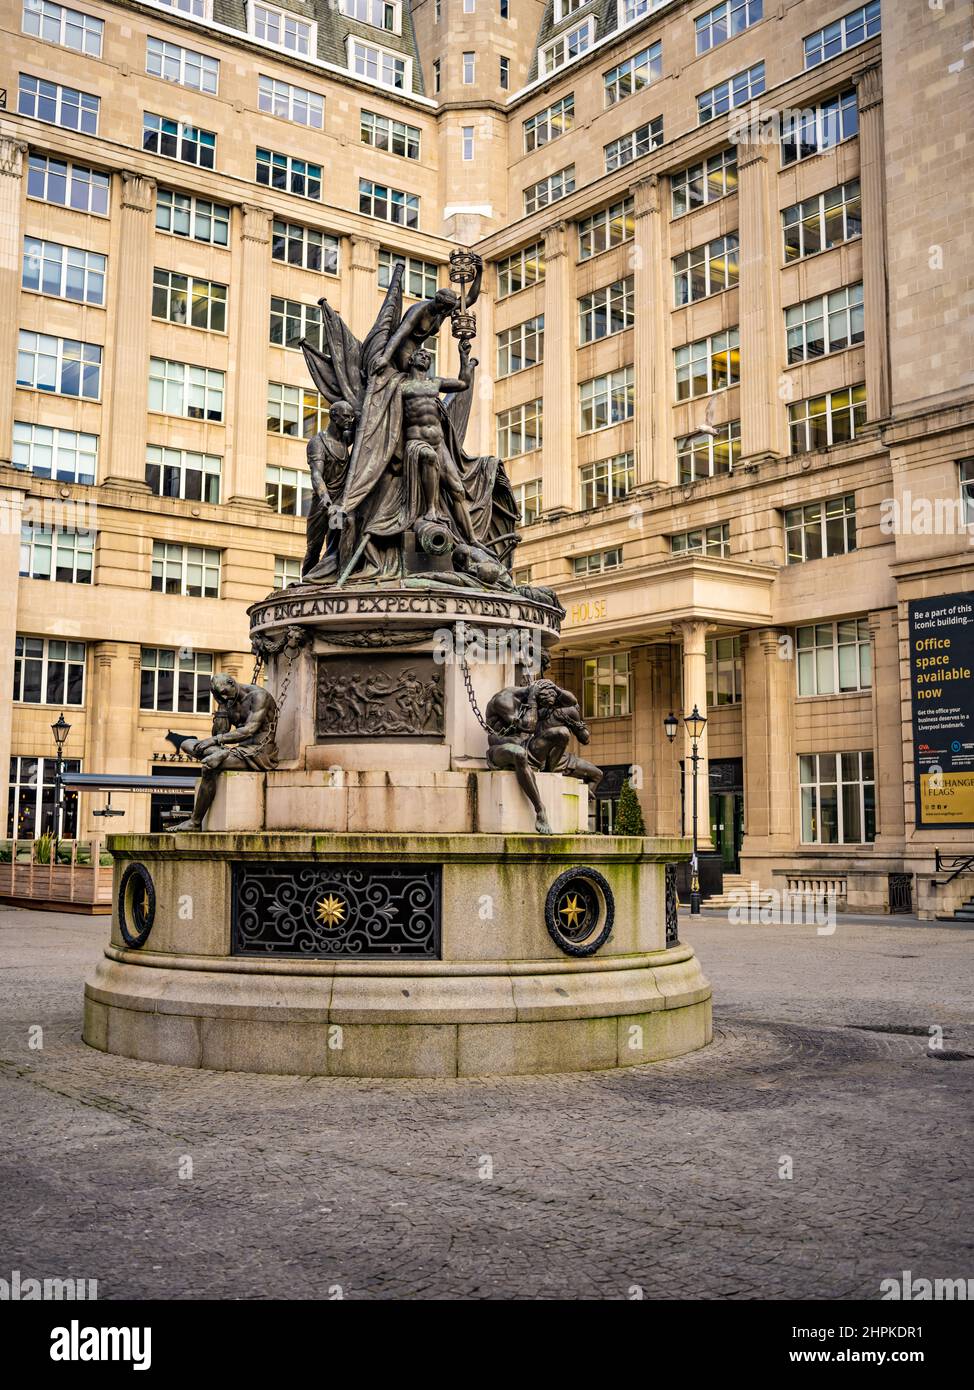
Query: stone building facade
x,y
725,345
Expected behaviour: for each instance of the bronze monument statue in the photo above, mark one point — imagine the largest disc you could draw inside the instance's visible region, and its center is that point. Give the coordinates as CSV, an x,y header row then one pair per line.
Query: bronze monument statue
x,y
529,728
243,739
328,455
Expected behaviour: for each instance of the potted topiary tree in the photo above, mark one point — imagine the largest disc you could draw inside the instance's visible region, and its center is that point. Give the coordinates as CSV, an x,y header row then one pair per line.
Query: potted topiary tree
x,y
629,816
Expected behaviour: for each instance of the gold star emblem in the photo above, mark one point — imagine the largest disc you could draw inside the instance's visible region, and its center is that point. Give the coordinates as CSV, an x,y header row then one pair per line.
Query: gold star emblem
x,y
145,903
573,911
330,911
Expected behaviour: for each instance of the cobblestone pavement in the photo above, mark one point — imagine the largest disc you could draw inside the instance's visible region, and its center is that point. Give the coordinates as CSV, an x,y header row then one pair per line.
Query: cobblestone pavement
x,y
663,1178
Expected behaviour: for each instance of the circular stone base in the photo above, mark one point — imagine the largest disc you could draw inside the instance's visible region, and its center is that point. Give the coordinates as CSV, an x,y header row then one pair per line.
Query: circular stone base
x,y
398,1019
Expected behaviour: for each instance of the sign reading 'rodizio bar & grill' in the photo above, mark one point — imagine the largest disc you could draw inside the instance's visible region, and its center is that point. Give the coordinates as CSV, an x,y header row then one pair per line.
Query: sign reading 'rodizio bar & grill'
x,y
942,697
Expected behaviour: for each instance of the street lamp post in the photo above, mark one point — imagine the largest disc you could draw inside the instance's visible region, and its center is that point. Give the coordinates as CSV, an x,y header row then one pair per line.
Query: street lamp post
x,y
695,723
60,730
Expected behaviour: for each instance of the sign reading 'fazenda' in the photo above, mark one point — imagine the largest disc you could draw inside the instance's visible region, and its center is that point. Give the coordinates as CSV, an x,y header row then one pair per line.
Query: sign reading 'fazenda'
x,y
942,696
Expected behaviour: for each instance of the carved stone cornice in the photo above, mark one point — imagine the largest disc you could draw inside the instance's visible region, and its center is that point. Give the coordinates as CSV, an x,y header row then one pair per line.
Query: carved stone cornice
x,y
12,157
138,191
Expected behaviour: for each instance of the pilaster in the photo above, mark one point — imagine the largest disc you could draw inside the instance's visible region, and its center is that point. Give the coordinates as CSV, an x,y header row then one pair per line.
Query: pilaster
x,y
875,292
126,387
770,772
247,376
12,155
363,265
651,335
764,426
559,393
694,634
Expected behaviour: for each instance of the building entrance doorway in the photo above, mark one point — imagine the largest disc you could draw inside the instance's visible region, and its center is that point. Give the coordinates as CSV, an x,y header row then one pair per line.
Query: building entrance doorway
x,y
727,811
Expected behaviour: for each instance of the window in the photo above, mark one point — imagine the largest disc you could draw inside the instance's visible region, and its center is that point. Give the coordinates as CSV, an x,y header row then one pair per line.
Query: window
x,y
705,270
519,430
834,657
190,69
290,103
287,571
548,124
820,529
64,271
288,491
549,190
633,145
528,498
294,412
67,28
66,456
388,204
833,418
290,175
565,48
291,320
381,14
64,555
598,562
609,227
520,347
852,29
196,8
737,90
420,279
396,137
525,267
48,671
724,671
966,468
710,364
296,245
819,223
606,311
57,105
633,75
188,300
175,680
706,540
177,388
607,687
63,366
607,481
807,133
504,75
469,68
564,8
828,323
466,142
68,185
725,22
282,30
704,183
522,575
469,6
705,454
378,65
177,140
606,400
189,570
179,214
636,9
31,799
838,798
182,473
437,75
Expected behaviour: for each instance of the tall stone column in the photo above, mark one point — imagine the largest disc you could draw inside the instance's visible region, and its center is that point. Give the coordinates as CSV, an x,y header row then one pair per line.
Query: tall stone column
x,y
887,728
247,376
872,186
12,156
559,391
694,634
764,423
126,387
653,753
651,334
364,303
770,767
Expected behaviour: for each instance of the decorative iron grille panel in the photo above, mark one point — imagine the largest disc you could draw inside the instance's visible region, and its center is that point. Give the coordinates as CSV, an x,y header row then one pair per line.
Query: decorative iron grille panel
x,y
374,910
901,892
672,907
